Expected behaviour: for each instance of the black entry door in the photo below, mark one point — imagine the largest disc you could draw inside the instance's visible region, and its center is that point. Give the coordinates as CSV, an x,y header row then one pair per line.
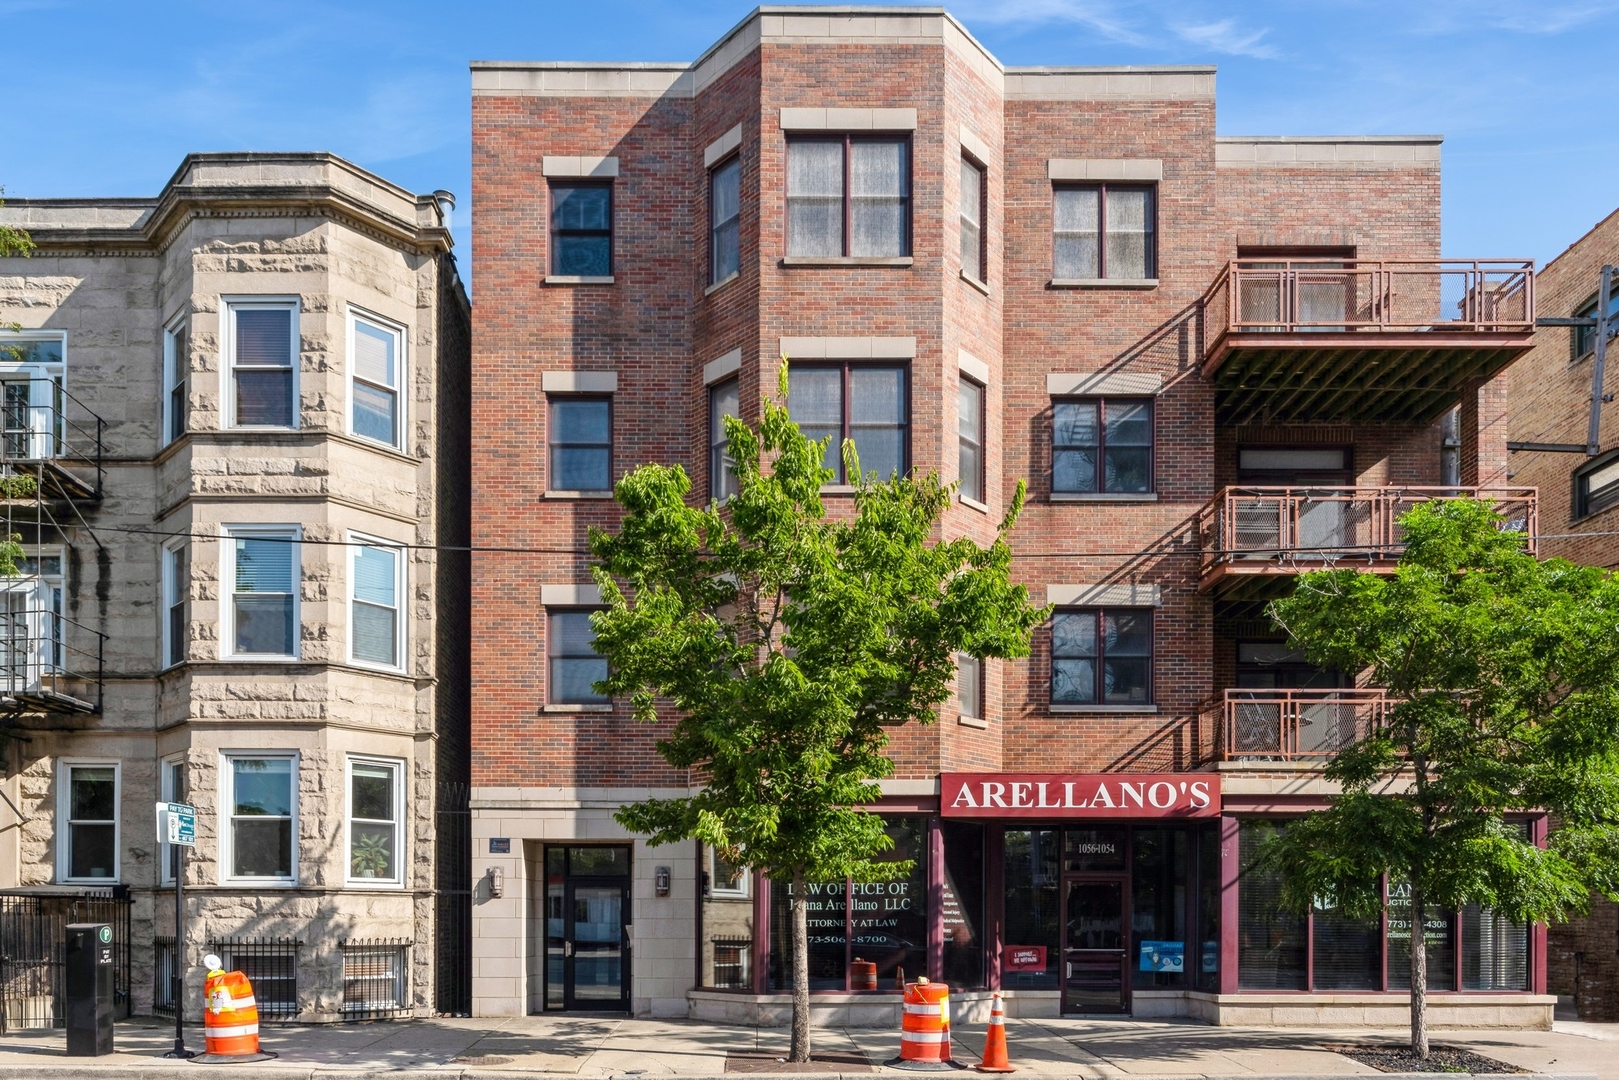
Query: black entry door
x,y
587,929
1094,960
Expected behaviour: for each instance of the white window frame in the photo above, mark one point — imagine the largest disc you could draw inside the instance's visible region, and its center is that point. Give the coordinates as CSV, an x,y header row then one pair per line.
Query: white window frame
x,y
44,424
357,541
227,591
227,352
167,792
170,384
64,808
717,891
400,768
401,343
173,591
226,815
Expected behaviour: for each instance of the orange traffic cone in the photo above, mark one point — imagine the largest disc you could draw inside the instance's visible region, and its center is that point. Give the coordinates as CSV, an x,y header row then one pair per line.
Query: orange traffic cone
x,y
995,1059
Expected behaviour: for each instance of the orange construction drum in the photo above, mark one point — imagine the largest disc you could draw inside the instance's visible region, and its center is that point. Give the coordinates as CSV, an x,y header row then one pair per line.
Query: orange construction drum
x,y
925,1031
230,1015
862,975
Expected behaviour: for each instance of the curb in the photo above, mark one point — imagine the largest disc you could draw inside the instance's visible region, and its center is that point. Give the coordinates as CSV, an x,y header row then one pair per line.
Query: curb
x,y
50,1070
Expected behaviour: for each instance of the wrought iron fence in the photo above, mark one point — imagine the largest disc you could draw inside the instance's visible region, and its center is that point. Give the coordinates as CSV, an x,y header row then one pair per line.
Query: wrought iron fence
x,y
376,978
33,950
452,945
271,965
167,977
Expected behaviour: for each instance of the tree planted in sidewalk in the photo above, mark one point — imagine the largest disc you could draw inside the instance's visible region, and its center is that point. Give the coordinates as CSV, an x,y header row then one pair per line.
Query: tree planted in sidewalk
x,y
1503,672
789,645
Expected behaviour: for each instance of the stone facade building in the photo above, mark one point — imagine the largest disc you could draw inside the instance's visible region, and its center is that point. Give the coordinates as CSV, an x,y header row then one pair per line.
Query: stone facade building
x,y
1218,361
1551,406
244,403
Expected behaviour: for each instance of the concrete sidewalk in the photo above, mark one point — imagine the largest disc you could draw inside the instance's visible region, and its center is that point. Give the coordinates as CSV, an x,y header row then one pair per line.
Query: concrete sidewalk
x,y
596,1048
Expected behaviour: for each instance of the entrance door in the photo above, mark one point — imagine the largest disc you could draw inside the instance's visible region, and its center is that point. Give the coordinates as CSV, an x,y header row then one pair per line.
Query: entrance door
x,y
1094,959
587,907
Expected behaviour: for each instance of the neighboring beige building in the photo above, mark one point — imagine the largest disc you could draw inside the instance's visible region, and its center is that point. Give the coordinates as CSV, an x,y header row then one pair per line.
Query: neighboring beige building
x,y
246,401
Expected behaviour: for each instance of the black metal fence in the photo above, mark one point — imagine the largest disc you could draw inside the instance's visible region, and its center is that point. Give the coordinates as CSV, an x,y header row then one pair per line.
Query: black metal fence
x,y
271,965
376,978
167,985
33,950
452,947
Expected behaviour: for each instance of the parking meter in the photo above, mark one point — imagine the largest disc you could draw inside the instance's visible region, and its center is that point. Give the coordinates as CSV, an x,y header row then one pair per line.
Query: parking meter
x,y
88,986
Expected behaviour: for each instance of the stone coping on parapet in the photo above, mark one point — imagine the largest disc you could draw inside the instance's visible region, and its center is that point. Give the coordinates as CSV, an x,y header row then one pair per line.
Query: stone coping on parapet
x,y
1326,151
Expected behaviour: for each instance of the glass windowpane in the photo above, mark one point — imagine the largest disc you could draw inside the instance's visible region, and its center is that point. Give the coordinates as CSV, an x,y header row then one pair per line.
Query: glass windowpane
x,y
814,198
1129,233
1077,249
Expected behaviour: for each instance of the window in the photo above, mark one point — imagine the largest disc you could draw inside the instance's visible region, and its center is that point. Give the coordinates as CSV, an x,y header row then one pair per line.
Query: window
x,y
1596,487
864,402
1585,337
172,786
262,340
31,395
581,444
1102,231
375,583
725,220
972,219
262,567
724,399
176,366
1115,434
261,794
575,664
271,964
176,583
970,427
1101,657
375,978
849,196
581,230
89,805
376,352
723,878
376,808
970,686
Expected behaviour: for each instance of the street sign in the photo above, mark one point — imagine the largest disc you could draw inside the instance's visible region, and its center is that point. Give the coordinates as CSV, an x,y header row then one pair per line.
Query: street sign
x,y
177,823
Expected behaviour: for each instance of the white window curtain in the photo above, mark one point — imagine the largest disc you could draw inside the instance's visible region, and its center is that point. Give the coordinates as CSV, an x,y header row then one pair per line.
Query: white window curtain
x,y
815,198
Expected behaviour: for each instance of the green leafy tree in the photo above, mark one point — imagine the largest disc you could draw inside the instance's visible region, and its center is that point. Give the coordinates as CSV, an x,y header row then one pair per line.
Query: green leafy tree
x,y
1504,670
790,645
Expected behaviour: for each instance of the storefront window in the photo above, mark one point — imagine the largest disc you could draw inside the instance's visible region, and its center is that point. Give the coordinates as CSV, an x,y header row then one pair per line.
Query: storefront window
x,y
1495,951
1092,851
1208,909
1271,943
883,922
1348,955
1029,952
1158,908
1439,929
963,914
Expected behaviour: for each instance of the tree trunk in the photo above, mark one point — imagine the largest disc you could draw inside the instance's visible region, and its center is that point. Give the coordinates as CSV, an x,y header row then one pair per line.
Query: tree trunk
x,y
1419,973
801,999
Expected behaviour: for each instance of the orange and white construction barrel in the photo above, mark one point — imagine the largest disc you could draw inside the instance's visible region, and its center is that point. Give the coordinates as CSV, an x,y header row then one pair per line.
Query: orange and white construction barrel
x,y
230,1014
925,1029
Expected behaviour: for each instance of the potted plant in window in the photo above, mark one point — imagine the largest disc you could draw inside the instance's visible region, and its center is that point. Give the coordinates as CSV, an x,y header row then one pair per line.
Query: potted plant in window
x,y
371,856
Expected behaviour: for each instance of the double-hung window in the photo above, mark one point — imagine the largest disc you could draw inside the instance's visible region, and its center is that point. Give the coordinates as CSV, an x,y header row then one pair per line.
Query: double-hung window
x,y
849,196
176,370
581,229
261,571
724,399
261,798
972,219
1101,446
970,437
1101,657
1585,337
88,808
1103,231
581,443
970,686
1596,487
376,370
725,220
726,880
172,787
176,586
574,663
868,403
376,586
262,352
376,811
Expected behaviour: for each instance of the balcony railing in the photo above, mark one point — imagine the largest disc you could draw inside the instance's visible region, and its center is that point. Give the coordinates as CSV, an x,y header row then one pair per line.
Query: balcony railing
x,y
49,663
1275,529
44,428
1294,296
1297,725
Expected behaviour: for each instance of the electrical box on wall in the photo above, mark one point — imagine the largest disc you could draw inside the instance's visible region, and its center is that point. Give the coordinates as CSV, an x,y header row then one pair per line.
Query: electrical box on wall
x,y
660,881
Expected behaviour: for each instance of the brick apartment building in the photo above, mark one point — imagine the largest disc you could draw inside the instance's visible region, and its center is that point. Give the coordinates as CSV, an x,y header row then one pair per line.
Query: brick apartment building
x,y
1551,404
1218,362
244,403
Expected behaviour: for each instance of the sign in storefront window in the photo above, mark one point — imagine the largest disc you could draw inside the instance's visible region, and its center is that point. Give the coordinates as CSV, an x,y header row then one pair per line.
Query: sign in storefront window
x,y
1158,906
1440,931
1271,946
963,904
1033,909
1090,851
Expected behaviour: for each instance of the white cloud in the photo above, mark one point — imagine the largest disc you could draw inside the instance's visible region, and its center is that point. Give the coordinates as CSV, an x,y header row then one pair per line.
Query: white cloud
x,y
1553,17
1099,16
1225,37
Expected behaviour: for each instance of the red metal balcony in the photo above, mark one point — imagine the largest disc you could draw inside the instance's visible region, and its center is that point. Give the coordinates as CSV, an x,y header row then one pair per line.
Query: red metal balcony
x,y
1389,342
1296,725
1249,532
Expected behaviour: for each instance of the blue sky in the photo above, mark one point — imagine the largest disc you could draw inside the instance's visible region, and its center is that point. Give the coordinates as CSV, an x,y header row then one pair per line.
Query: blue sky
x,y
103,98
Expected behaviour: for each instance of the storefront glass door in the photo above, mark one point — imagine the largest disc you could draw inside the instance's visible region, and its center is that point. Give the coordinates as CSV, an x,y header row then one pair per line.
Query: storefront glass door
x,y
1094,947
587,905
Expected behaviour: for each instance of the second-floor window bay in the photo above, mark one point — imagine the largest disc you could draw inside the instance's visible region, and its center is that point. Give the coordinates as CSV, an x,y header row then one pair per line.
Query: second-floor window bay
x,y
849,196
263,342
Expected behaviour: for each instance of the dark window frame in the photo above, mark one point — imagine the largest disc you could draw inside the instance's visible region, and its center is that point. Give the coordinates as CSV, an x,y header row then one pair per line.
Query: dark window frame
x,y
714,278
718,457
555,186
1583,339
982,277
982,478
1151,260
847,140
551,657
1098,688
905,410
552,446
1101,443
1582,494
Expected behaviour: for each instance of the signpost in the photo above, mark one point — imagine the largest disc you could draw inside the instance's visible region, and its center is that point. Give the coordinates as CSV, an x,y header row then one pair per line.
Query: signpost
x,y
177,826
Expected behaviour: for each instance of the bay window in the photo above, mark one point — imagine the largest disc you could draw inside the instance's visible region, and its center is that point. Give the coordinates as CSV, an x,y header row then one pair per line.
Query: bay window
x,y
724,399
868,403
375,589
260,795
725,220
261,571
849,196
376,353
261,339
376,811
